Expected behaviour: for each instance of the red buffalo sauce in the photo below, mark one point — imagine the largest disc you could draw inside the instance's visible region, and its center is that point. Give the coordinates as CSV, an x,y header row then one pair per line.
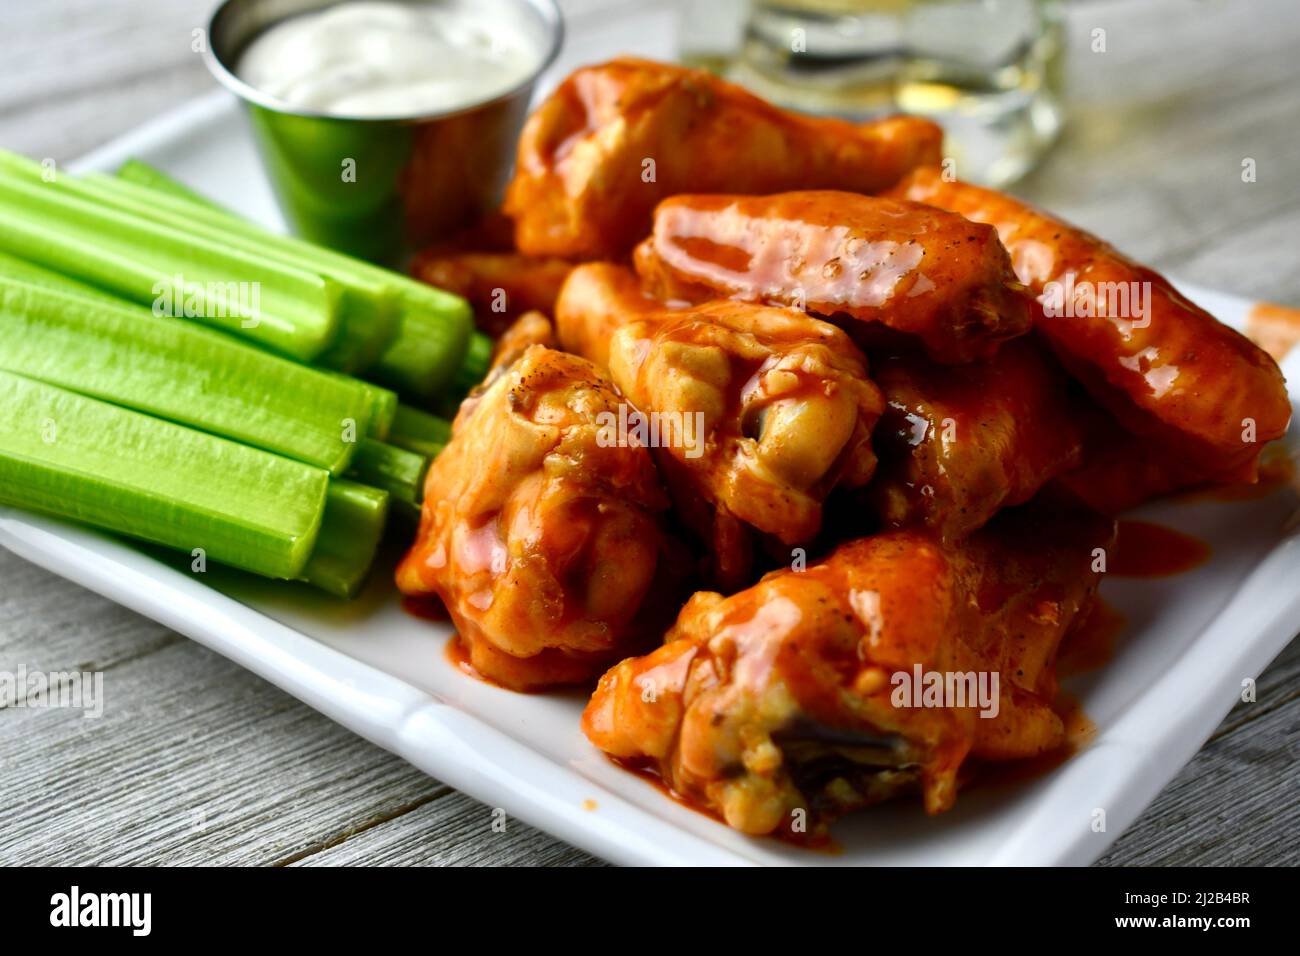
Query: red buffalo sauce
x,y
457,653
1276,471
1146,550
427,608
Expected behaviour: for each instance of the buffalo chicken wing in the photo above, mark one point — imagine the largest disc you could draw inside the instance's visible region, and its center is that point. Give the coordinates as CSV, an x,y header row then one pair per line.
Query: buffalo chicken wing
x,y
500,286
718,271
595,301
931,275
542,540
760,411
615,139
1166,368
957,444
1120,470
780,704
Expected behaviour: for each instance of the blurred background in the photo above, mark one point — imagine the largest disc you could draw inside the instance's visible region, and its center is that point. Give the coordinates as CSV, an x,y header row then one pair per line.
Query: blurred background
x,y
1133,117
1168,126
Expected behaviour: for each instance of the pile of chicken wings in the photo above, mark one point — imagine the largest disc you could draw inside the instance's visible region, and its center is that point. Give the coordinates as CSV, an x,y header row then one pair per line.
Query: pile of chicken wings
x,y
875,448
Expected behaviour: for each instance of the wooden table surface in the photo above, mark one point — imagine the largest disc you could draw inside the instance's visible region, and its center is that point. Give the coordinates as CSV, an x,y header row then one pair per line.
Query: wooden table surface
x,y
197,761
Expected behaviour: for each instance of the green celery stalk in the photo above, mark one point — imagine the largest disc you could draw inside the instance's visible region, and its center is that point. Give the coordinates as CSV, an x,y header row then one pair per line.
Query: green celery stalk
x,y
75,457
478,356
349,538
283,308
471,373
417,430
11,267
398,471
383,409
367,303
142,174
383,401
432,341
435,332
123,354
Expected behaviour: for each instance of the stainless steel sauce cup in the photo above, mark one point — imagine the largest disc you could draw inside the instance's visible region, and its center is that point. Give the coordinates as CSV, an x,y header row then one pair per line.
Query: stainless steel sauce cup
x,y
377,186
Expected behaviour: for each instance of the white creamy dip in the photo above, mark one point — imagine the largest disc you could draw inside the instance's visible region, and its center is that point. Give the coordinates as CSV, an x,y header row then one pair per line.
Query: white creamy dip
x,y
389,59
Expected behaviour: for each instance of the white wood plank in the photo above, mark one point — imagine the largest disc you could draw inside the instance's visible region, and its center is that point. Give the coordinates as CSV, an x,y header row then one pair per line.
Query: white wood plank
x,y
194,761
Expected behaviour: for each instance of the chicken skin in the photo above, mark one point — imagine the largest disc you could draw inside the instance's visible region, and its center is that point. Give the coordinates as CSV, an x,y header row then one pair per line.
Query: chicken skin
x,y
500,286
616,138
760,411
1120,470
596,300
1168,370
958,444
929,275
531,328
782,706
542,540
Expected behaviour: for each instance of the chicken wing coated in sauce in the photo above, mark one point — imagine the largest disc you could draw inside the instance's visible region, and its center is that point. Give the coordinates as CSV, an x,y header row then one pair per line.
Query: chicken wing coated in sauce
x,y
540,538
500,286
595,301
788,696
1120,470
531,328
931,275
760,411
616,138
1166,368
957,444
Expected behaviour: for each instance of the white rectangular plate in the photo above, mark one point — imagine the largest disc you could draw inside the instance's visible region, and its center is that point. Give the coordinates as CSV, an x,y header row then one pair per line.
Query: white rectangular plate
x,y
1191,641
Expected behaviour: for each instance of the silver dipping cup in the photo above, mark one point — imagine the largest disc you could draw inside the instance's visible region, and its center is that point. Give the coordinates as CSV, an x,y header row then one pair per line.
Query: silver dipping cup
x,y
414,178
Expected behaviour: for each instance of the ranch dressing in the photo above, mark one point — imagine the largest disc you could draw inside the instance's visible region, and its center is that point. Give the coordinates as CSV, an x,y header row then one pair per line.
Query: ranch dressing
x,y
389,59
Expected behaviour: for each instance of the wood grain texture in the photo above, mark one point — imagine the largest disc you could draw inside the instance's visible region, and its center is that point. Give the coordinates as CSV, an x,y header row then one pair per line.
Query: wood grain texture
x,y
197,761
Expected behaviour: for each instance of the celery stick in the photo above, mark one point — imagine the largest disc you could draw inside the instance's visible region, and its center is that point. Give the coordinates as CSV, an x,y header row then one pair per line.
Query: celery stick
x,y
11,267
470,375
283,308
431,343
474,367
383,401
367,303
398,471
123,354
142,174
349,537
65,454
383,408
417,430
435,328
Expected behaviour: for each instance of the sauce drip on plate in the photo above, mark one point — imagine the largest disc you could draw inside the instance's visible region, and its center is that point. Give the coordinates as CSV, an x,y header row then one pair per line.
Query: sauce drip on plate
x,y
1147,550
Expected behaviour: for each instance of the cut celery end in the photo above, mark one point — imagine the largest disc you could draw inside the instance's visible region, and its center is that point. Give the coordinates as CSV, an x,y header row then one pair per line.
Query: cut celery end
x,y
350,532
472,372
435,347
429,449
185,276
122,353
413,425
432,337
478,358
398,471
75,457
383,407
